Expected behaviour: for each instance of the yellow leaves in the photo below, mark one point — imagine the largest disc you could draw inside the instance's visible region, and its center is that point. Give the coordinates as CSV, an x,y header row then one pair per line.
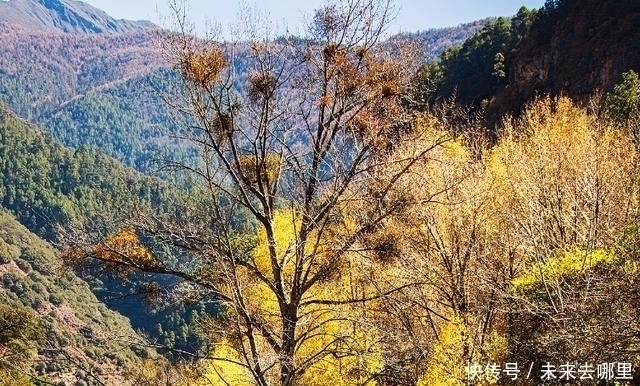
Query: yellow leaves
x,y
339,369
566,180
446,365
285,225
340,348
560,138
224,369
555,182
561,266
154,371
561,134
427,130
12,377
469,228
124,249
348,343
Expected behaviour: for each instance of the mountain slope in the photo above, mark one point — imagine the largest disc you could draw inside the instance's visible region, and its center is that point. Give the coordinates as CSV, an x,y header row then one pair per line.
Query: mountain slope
x,y
105,90
99,90
41,70
48,187
576,48
78,337
434,41
65,16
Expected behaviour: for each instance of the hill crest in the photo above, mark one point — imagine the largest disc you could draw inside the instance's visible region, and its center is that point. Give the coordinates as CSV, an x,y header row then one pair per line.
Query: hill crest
x,y
65,15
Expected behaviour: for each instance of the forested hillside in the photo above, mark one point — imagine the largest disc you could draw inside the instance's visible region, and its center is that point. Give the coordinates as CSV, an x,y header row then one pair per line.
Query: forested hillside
x,y
46,185
49,188
576,48
101,90
106,90
435,41
53,328
41,70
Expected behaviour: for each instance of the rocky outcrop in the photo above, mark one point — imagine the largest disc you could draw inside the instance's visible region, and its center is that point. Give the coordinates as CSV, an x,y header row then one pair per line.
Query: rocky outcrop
x,y
575,49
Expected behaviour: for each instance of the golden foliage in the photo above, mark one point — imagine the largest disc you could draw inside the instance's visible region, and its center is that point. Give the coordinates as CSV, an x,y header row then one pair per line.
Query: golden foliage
x,y
563,265
446,365
224,369
567,182
154,372
339,346
286,225
556,184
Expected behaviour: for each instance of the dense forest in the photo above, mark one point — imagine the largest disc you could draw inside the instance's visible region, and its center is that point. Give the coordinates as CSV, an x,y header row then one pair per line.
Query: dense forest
x,y
52,326
340,208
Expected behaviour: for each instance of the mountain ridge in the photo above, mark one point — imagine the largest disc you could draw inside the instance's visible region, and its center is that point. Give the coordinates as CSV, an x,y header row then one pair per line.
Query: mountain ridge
x,y
68,16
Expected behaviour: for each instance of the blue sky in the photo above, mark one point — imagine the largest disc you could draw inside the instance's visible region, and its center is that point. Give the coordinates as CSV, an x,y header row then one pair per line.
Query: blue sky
x,y
413,15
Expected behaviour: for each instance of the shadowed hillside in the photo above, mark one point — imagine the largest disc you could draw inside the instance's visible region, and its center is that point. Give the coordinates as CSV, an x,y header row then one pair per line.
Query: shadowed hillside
x,y
575,47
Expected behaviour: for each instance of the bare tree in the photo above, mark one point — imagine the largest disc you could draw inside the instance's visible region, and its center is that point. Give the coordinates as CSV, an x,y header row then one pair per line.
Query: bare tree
x,y
303,143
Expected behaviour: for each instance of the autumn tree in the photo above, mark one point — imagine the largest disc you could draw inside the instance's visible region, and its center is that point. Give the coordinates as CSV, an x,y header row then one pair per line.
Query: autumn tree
x,y
566,192
446,246
521,254
303,145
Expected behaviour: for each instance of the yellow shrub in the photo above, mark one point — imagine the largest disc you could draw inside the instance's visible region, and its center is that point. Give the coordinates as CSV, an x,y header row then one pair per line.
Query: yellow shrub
x,y
562,265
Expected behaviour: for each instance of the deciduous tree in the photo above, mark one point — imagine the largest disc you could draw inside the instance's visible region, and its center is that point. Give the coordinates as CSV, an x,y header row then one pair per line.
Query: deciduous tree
x,y
303,146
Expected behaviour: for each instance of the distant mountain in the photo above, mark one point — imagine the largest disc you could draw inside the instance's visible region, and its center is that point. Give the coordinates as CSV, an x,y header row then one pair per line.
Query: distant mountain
x,y
65,16
45,74
435,40
105,90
